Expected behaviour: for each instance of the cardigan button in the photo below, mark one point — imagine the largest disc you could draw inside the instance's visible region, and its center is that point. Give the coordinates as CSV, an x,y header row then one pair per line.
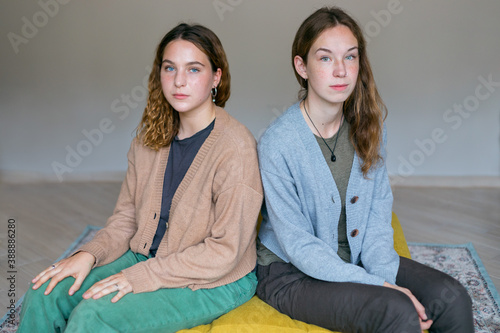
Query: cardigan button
x,y
354,233
354,199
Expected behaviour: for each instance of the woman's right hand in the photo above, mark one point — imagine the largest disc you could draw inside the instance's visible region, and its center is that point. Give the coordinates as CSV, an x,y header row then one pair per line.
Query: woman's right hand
x,y
77,266
425,323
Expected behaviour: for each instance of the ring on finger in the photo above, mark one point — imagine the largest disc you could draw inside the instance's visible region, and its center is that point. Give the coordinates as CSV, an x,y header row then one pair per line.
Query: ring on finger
x,y
52,267
117,286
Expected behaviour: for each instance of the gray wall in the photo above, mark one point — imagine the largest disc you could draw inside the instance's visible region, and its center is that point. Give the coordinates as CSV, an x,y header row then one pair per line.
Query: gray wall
x,y
70,70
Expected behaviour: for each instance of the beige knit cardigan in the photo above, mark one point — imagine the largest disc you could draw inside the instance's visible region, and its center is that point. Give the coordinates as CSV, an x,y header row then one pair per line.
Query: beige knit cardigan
x,y
210,240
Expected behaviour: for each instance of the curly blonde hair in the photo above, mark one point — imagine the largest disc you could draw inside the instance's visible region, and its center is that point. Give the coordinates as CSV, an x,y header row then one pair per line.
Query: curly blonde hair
x,y
160,122
364,109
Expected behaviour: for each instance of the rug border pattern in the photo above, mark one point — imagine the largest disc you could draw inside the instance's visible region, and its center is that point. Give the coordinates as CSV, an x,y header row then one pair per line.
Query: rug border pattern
x,y
477,262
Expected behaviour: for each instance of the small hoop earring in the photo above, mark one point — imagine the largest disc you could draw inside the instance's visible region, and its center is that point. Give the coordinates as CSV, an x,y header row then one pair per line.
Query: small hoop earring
x,y
214,94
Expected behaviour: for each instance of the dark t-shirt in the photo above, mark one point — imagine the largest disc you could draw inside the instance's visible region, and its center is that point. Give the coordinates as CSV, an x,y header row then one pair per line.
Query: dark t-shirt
x,y
181,155
341,171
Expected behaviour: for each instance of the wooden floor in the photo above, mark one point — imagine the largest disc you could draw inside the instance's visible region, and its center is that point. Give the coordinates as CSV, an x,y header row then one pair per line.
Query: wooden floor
x,y
50,216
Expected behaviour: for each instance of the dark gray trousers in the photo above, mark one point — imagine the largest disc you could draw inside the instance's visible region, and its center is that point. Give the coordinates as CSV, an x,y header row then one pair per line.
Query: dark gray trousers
x,y
355,307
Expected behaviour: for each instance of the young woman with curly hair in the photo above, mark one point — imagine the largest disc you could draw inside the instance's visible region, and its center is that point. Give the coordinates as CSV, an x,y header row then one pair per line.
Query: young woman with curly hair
x,y
325,251
179,249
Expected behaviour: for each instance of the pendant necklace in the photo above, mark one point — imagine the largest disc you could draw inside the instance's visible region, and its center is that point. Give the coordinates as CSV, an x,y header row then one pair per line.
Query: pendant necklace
x,y
333,157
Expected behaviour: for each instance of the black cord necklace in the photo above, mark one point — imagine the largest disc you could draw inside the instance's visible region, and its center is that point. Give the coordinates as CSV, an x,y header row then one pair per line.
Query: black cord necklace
x,y
333,158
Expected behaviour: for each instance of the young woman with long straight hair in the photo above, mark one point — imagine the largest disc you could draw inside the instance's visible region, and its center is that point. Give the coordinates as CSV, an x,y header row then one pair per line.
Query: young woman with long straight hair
x,y
325,251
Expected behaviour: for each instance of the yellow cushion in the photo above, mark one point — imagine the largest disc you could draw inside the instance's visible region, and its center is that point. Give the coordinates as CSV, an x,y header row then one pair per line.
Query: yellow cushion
x,y
257,316
400,244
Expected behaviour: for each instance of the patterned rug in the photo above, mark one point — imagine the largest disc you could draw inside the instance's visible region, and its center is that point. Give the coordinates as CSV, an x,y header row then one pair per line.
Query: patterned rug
x,y
460,261
463,263
9,322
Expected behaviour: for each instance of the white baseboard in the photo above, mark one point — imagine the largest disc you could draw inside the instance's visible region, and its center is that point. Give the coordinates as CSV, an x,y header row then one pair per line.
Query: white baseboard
x,y
445,181
20,177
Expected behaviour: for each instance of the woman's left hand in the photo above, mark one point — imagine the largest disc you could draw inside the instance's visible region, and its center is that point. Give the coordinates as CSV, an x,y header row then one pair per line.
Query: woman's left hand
x,y
117,282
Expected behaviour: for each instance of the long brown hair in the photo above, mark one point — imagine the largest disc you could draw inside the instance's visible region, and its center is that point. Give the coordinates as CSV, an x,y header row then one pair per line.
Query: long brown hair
x,y
160,122
364,109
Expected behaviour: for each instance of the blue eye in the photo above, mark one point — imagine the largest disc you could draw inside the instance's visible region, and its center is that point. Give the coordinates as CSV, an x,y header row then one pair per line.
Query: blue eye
x,y
325,59
194,70
350,57
169,68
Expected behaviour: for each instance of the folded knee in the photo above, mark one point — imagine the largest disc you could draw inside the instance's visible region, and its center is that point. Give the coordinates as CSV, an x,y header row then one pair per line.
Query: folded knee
x,y
38,296
87,311
399,314
449,296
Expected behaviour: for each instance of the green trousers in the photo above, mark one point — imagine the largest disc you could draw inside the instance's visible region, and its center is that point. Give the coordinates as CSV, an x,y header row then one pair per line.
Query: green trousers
x,y
164,310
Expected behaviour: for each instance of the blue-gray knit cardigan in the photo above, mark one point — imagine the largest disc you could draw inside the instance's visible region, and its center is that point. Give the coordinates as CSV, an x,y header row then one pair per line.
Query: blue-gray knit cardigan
x,y
302,208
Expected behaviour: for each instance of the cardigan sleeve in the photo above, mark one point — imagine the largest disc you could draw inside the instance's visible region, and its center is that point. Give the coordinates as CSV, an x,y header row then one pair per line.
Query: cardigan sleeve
x,y
377,251
293,230
113,240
